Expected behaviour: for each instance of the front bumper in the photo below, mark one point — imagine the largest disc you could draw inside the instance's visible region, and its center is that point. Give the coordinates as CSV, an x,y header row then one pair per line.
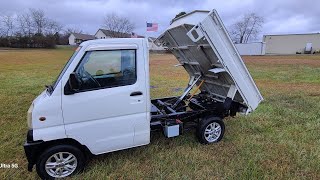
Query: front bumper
x,y
32,150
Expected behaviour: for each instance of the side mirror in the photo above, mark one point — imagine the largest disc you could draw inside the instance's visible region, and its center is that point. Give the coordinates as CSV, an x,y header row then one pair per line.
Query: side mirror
x,y
74,81
73,84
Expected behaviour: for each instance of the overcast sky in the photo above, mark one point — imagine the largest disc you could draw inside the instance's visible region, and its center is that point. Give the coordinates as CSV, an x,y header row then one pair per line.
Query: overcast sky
x,y
281,16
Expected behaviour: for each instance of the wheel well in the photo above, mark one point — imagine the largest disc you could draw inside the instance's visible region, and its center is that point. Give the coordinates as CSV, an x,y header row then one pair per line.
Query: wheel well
x,y
211,116
67,141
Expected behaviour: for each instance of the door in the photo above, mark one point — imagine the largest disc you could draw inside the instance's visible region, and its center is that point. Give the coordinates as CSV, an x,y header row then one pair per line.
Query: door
x,y
308,48
110,99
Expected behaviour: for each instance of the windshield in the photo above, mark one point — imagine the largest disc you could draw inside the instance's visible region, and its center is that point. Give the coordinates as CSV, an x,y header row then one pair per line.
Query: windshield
x,y
55,83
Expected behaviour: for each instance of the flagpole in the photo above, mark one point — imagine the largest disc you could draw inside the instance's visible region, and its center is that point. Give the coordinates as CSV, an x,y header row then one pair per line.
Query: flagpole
x,y
147,32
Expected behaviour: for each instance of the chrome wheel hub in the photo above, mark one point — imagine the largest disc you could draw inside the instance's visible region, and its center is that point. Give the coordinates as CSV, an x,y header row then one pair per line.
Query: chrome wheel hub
x,y
61,164
212,132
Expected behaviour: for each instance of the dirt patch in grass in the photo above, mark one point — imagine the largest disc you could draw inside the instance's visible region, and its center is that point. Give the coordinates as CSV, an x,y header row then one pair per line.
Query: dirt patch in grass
x,y
308,60
283,87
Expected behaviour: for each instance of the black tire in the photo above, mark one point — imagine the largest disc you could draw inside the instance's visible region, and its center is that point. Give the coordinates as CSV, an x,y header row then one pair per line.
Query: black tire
x,y
41,163
201,130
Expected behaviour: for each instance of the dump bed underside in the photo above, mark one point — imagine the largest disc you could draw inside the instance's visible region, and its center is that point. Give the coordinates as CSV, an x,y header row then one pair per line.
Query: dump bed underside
x,y
205,49
199,58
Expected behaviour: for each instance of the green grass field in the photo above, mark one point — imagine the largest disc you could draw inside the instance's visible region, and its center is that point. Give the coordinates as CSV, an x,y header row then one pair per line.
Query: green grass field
x,y
280,140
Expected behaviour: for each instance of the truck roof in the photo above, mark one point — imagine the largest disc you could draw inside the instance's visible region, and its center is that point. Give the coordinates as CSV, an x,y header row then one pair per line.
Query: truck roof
x,y
112,40
203,47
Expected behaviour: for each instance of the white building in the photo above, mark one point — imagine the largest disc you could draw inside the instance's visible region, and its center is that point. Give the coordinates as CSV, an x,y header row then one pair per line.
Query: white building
x,y
77,38
254,48
292,43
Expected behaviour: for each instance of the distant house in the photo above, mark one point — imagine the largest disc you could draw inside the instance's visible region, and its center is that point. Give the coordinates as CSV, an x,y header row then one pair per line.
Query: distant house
x,y
77,38
105,34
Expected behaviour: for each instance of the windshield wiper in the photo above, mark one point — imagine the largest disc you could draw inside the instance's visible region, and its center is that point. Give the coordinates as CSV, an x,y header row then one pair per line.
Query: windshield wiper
x,y
49,88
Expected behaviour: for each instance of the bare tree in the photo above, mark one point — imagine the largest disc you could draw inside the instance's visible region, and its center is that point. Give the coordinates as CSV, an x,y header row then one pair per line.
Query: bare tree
x,y
42,25
39,20
247,28
25,25
72,30
1,27
117,25
53,27
8,23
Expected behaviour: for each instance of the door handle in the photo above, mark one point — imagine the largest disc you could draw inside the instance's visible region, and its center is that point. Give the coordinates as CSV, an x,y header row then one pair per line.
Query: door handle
x,y
136,93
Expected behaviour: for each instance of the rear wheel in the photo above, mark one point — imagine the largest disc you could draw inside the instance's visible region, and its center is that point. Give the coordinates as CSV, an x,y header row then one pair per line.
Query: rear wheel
x,y
60,161
210,130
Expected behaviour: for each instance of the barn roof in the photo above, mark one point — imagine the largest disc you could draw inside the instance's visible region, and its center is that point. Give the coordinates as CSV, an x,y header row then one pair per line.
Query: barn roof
x,y
117,34
83,36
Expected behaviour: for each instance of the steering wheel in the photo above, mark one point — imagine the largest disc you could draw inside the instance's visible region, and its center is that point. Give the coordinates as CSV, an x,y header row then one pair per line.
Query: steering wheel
x,y
88,75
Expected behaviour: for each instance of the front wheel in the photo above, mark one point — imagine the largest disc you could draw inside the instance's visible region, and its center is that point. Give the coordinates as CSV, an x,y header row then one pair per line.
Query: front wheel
x,y
210,130
60,161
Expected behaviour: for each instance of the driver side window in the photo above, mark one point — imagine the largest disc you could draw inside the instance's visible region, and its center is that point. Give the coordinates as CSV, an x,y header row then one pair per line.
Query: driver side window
x,y
106,69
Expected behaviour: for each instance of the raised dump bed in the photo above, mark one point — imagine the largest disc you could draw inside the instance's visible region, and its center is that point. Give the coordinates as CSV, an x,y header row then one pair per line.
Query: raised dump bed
x,y
201,44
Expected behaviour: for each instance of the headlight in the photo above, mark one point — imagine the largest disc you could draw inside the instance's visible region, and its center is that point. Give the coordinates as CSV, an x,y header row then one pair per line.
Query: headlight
x,y
29,117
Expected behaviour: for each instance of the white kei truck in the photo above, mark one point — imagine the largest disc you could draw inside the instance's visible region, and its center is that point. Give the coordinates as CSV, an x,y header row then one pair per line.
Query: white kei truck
x,y
101,102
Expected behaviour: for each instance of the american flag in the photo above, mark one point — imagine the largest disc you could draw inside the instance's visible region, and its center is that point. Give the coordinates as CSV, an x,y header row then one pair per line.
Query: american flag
x,y
152,26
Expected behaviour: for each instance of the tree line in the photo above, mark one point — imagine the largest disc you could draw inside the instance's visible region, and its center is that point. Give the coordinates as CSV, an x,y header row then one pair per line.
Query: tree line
x,y
32,29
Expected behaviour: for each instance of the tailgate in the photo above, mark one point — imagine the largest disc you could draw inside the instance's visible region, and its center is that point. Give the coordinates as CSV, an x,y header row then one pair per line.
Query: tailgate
x,y
206,49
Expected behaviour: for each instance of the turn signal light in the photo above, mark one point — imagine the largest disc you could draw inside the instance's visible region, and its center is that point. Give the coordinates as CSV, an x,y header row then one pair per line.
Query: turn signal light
x,y
42,118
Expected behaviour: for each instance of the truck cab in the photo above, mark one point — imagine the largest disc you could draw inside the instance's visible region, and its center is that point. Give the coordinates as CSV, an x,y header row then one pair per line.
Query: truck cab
x,y
101,99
